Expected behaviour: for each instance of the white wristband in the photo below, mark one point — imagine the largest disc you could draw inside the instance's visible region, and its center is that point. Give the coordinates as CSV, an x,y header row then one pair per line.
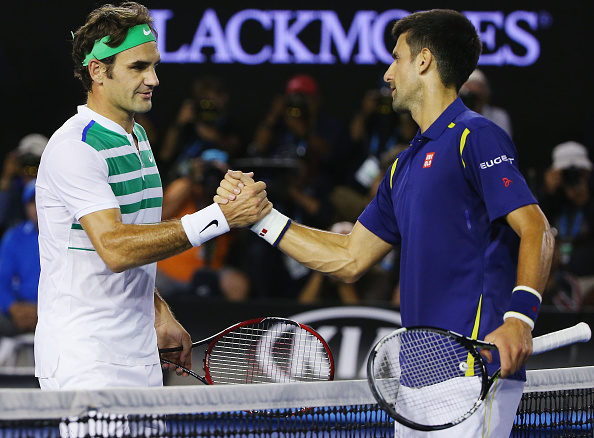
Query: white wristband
x,y
272,227
205,224
529,289
519,316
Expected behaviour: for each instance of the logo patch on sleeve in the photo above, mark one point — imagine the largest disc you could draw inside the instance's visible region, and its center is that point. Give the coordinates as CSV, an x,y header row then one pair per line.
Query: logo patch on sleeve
x,y
507,182
428,159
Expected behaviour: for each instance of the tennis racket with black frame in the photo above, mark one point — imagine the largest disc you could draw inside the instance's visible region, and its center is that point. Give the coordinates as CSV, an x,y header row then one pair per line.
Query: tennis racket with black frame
x,y
263,350
432,379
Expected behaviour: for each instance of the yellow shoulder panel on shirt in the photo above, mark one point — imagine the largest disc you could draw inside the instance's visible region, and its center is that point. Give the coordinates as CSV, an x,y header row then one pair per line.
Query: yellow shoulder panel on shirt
x,y
392,171
463,143
451,125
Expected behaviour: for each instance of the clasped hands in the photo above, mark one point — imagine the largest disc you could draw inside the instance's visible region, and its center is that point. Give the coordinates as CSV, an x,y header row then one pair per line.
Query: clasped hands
x,y
250,201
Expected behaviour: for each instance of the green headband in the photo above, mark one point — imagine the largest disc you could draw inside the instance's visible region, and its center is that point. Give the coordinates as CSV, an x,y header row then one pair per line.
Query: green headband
x,y
136,36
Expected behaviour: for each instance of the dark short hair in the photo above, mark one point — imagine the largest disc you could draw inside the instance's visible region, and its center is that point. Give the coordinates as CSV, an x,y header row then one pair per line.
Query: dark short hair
x,y
111,20
450,37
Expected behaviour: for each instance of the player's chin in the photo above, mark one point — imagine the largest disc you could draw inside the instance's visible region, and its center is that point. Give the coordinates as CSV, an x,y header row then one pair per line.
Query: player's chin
x,y
146,108
398,107
144,105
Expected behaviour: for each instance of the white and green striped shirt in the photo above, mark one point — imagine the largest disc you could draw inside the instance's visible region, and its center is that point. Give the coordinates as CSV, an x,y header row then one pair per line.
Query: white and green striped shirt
x,y
86,310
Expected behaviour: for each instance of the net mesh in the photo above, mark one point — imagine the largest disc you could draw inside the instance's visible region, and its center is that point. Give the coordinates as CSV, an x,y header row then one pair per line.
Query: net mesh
x,y
556,403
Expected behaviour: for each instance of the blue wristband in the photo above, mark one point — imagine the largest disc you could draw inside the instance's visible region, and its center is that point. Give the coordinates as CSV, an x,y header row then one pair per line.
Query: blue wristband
x,y
524,305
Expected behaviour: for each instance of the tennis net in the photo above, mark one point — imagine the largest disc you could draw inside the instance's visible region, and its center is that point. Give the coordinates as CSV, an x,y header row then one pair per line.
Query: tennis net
x,y
556,403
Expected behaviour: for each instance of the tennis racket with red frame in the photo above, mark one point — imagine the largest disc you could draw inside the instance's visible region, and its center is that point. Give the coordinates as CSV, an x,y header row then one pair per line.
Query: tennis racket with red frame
x,y
432,379
263,350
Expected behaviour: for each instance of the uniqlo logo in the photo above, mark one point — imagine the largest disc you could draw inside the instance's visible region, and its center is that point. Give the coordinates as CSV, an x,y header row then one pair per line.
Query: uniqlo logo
x,y
428,159
263,232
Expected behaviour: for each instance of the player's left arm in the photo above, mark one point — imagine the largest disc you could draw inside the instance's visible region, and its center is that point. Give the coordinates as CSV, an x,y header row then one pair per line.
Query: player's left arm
x,y
170,333
514,337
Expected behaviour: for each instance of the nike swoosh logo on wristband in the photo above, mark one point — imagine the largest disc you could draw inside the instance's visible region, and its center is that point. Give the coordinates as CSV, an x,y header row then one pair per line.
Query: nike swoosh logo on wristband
x,y
214,222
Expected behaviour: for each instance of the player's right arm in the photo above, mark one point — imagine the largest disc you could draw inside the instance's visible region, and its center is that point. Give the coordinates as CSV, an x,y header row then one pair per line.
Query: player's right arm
x,y
124,246
343,256
76,176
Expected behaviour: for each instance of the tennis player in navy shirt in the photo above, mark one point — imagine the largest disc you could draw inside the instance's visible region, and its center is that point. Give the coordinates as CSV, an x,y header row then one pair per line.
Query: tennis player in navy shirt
x,y
476,248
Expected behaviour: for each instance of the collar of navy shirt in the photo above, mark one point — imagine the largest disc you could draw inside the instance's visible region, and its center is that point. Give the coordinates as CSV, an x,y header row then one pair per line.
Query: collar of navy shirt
x,y
443,121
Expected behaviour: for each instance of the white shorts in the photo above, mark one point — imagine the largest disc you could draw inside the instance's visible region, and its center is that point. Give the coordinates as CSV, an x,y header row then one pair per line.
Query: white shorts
x,y
494,418
74,373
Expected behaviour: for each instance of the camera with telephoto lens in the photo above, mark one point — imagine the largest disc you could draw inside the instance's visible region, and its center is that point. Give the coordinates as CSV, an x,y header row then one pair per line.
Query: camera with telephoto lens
x,y
298,106
384,105
29,163
207,111
571,176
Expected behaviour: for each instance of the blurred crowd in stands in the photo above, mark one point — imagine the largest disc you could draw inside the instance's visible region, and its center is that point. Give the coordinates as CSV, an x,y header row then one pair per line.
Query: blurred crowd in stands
x,y
319,170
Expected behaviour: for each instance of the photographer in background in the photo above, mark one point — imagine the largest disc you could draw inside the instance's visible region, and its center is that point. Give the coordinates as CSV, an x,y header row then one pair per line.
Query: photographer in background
x,y
297,130
213,269
202,124
296,125
567,203
476,95
20,167
375,130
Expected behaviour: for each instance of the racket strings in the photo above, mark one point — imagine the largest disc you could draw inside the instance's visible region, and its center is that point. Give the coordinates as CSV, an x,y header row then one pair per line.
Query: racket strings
x,y
264,353
429,378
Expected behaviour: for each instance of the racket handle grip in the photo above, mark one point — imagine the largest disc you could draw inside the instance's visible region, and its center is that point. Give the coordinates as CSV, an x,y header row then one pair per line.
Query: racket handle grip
x,y
578,333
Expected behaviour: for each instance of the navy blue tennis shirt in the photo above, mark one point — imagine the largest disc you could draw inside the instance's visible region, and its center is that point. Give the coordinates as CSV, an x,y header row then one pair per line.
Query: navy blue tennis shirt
x,y
444,200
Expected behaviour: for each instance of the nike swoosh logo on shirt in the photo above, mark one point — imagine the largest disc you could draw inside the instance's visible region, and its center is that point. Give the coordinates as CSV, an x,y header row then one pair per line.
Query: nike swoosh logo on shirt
x,y
214,222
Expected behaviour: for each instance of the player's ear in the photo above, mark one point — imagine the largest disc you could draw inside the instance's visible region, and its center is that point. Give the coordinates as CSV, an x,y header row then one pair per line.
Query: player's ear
x,y
97,71
424,60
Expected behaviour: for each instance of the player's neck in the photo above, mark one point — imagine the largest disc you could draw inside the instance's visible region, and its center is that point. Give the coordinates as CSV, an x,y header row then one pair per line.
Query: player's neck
x,y
433,102
110,111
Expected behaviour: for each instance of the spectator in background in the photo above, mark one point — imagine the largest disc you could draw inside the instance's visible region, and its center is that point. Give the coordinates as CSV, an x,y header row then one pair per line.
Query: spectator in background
x,y
296,124
298,130
567,203
563,289
374,131
476,95
202,124
20,167
212,269
380,283
296,127
19,271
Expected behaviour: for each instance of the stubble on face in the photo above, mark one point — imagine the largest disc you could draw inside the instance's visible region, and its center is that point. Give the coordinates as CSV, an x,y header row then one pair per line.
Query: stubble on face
x,y
134,78
401,82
